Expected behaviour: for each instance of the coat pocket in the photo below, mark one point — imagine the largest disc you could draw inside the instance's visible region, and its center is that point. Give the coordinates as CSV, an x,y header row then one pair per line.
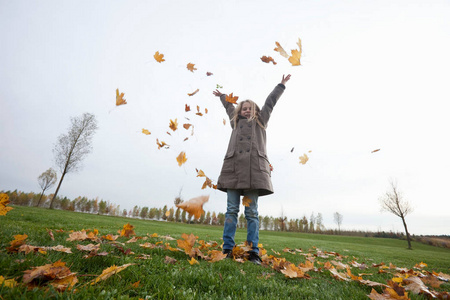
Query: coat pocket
x,y
264,164
228,163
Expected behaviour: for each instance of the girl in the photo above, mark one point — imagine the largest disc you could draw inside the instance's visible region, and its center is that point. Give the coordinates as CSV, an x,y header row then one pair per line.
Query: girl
x,y
246,169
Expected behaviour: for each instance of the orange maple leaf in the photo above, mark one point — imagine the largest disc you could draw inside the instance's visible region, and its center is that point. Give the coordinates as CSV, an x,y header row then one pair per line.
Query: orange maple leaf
x,y
187,242
173,124
186,126
232,99
194,206
193,261
268,59
246,201
190,67
187,108
145,131
159,57
119,98
56,274
181,158
127,230
193,93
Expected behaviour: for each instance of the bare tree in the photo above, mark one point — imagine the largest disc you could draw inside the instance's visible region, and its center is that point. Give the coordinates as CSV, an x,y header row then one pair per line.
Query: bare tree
x,y
46,180
393,202
338,220
72,147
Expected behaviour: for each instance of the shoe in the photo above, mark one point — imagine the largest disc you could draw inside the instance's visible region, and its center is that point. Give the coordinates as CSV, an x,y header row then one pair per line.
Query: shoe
x,y
228,252
254,258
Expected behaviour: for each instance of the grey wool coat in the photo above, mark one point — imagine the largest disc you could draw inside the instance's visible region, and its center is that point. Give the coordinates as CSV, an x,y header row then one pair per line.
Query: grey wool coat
x,y
246,166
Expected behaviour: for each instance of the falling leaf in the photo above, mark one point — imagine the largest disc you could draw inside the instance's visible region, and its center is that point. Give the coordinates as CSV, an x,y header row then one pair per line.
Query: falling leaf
x,y
4,201
108,272
206,110
190,67
173,124
209,73
127,230
230,98
219,86
193,93
119,98
186,126
181,158
296,54
268,59
224,122
194,206
159,57
292,150
162,144
246,201
303,159
281,50
376,150
145,131
187,108
216,255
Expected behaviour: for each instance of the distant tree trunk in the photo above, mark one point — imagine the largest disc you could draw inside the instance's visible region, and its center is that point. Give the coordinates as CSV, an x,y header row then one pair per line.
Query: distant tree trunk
x,y
57,189
408,238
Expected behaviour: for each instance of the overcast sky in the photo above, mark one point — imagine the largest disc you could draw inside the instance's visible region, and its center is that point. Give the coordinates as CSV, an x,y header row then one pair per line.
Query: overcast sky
x,y
374,75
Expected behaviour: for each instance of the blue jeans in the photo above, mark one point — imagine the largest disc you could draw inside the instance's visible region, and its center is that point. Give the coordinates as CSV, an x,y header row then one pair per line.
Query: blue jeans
x,y
231,219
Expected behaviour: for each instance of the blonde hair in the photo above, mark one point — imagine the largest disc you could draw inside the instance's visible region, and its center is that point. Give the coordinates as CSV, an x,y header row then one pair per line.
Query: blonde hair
x,y
254,116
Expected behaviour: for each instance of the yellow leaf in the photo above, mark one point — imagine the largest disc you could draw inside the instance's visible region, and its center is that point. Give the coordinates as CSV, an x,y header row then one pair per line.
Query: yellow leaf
x,y
119,98
108,272
303,159
162,144
4,201
7,282
190,67
159,57
296,54
281,50
193,261
173,124
127,230
145,131
181,158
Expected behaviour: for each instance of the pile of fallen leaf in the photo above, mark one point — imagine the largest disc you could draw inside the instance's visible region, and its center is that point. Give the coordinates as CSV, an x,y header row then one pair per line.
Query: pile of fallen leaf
x,y
403,281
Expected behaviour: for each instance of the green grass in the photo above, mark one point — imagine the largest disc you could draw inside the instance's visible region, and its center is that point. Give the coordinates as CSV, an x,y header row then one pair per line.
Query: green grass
x,y
225,279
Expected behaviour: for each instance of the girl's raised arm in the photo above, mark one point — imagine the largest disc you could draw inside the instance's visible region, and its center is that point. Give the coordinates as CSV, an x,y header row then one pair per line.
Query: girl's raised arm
x,y
285,79
217,93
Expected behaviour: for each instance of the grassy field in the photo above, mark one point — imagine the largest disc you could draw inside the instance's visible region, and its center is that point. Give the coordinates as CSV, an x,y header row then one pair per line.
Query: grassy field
x,y
155,278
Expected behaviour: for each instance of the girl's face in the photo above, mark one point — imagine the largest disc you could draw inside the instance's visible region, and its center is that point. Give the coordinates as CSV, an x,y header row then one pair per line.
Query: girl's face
x,y
246,110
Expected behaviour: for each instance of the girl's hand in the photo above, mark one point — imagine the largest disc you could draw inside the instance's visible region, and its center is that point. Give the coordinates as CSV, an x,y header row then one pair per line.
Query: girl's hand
x,y
285,79
217,93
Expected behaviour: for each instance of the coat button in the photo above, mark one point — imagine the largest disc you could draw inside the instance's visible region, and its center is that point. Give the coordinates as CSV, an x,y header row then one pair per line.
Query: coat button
x,y
248,137
241,126
240,139
248,150
240,151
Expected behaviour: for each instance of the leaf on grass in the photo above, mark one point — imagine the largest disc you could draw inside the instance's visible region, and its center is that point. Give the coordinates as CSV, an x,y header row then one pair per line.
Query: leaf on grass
x,y
18,241
193,261
169,260
292,271
230,98
10,283
303,159
108,272
89,247
159,57
110,237
194,206
216,255
77,236
173,124
339,275
193,93
119,98
56,274
268,59
181,158
127,230
4,201
246,201
190,67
